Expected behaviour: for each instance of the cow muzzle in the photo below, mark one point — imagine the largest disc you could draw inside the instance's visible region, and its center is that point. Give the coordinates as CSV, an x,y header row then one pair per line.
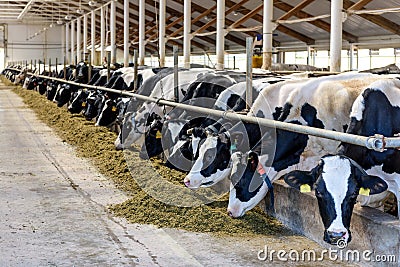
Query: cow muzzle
x,y
338,238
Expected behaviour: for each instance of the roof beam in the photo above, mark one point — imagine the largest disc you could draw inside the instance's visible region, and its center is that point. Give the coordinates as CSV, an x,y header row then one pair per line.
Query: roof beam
x,y
318,23
295,9
359,5
376,19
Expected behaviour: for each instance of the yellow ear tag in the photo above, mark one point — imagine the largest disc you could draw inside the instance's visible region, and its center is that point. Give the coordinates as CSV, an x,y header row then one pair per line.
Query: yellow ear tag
x,y
364,191
83,104
158,135
305,188
113,109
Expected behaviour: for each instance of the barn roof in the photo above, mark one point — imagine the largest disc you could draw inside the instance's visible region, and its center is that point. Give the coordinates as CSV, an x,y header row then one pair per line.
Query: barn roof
x,y
368,23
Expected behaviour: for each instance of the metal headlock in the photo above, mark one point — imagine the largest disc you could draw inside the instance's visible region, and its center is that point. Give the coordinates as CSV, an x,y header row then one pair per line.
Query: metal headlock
x,y
377,142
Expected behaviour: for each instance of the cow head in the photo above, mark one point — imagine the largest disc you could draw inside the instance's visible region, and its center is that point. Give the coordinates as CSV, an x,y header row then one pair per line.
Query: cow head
x,y
108,113
337,181
152,145
212,160
248,183
79,102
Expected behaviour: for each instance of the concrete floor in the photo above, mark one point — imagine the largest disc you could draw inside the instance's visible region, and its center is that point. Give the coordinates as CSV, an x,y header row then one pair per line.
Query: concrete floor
x,y
54,211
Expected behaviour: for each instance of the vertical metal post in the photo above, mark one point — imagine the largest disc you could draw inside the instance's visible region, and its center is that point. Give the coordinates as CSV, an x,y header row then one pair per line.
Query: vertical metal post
x,y
176,89
50,74
135,69
56,66
90,68
108,66
187,20
336,34
267,34
220,44
31,65
78,40
67,41
93,36
142,10
161,33
102,35
126,33
39,66
85,33
249,72
65,68
351,56
72,43
113,33
35,65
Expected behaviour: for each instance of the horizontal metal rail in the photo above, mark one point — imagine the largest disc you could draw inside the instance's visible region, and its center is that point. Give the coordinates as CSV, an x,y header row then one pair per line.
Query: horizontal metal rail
x,y
376,142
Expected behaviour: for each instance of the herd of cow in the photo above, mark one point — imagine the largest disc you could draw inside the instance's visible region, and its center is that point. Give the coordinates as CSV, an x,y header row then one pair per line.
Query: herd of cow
x,y
211,149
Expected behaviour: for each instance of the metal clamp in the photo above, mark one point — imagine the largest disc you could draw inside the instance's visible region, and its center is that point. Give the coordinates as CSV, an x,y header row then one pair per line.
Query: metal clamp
x,y
376,142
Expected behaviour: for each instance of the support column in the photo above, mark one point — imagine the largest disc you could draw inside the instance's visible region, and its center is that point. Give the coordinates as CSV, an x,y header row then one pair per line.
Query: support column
x,y
161,34
72,60
62,42
352,56
113,33
187,20
93,37
220,44
67,43
126,33
336,34
85,37
78,39
142,10
267,34
102,35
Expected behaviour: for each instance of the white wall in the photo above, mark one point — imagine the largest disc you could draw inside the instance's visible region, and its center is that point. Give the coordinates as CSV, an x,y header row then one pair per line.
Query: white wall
x,y
45,45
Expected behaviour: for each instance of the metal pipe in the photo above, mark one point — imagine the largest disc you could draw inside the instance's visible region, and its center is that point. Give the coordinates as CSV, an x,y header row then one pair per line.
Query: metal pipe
x,y
108,66
67,42
93,37
62,40
113,33
187,20
161,33
176,88
102,35
78,39
376,142
56,66
219,49
249,72
126,33
351,56
135,70
267,34
73,43
142,10
90,68
85,35
336,34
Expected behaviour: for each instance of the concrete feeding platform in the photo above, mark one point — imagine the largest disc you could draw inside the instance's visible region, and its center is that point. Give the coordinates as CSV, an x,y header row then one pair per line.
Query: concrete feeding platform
x,y
372,230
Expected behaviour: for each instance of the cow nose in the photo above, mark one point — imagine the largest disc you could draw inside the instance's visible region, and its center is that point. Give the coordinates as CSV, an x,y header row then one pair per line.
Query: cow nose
x,y
230,213
332,237
186,182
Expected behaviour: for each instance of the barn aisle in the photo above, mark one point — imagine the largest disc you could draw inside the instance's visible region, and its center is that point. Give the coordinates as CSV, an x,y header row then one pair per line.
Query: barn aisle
x,y
53,210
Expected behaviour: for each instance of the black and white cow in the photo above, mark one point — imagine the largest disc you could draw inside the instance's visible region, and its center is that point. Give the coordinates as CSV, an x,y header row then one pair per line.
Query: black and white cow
x,y
375,111
163,89
323,103
202,92
123,139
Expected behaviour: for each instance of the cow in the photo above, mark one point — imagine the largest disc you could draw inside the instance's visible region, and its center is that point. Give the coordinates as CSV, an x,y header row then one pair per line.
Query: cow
x,y
323,103
356,170
202,92
163,89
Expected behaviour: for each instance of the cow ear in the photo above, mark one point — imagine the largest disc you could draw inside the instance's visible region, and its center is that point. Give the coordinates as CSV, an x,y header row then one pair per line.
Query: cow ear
x,y
301,180
252,161
371,184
